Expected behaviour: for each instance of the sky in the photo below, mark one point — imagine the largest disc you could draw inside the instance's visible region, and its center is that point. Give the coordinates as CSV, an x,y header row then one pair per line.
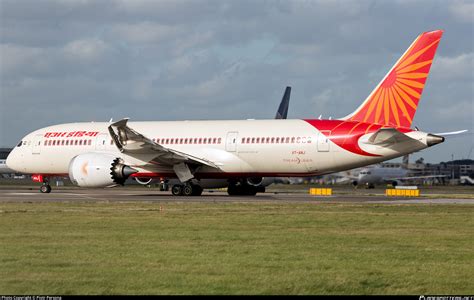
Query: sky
x,y
77,60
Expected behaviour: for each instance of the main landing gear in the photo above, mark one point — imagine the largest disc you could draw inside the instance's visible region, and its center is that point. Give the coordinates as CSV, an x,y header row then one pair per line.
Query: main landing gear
x,y
187,189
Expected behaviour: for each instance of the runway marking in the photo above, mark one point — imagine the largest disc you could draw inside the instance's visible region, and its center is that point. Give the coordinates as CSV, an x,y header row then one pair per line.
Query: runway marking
x,y
22,194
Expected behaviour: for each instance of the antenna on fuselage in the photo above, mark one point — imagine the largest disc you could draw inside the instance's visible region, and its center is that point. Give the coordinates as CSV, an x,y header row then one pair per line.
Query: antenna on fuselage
x,y
111,119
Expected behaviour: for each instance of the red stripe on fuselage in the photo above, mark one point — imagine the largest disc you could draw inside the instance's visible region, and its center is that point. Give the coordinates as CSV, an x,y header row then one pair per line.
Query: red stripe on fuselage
x,y
222,175
346,134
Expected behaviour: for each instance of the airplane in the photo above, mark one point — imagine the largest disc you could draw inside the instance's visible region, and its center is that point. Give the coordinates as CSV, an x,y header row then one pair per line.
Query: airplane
x,y
104,154
370,177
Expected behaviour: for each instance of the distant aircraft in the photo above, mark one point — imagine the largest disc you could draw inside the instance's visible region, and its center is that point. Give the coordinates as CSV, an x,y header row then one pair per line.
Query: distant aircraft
x,y
382,175
102,154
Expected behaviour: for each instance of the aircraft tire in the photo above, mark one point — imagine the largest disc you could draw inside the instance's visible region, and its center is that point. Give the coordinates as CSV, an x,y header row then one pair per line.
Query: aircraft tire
x,y
177,190
188,190
45,189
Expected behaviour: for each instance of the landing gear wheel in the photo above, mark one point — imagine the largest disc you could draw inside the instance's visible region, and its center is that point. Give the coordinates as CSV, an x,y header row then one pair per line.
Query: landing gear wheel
x,y
45,189
188,190
177,190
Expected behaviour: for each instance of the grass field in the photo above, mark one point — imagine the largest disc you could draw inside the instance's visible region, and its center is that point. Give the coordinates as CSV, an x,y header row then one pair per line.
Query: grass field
x,y
235,248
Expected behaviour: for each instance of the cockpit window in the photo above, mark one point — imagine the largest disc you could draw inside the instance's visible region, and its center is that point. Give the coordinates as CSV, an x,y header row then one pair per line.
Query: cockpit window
x,y
19,144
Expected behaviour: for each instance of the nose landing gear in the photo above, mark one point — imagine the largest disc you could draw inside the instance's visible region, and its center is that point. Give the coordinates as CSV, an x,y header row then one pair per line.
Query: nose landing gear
x,y
45,188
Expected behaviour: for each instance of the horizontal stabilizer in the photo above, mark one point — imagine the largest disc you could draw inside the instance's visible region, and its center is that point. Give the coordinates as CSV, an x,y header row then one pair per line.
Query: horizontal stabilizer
x,y
388,136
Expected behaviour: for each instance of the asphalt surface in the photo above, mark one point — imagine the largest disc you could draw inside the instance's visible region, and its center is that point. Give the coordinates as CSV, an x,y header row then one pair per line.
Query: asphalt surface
x,y
127,195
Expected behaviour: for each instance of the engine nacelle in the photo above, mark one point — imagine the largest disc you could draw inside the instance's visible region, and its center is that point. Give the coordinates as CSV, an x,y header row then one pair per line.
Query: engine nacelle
x,y
98,170
254,181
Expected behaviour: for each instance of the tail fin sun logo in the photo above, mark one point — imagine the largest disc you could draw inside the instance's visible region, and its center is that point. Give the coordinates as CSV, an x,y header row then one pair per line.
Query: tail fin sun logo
x,y
395,100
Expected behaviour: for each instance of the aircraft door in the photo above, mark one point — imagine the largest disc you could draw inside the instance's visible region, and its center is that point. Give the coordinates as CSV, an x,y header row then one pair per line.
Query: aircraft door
x,y
323,140
231,141
101,141
36,144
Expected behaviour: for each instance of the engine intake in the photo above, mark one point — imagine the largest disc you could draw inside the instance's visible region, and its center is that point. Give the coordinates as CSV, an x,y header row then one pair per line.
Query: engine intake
x,y
98,170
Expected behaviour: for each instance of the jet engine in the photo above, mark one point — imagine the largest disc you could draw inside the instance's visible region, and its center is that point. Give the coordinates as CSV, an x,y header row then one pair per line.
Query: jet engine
x,y
98,170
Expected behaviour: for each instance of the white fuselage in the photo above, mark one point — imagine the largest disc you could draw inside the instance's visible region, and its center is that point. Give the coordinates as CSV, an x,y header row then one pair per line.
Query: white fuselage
x,y
239,148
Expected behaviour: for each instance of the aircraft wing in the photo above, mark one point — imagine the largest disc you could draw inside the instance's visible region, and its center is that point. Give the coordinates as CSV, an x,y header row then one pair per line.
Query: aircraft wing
x,y
388,136
133,143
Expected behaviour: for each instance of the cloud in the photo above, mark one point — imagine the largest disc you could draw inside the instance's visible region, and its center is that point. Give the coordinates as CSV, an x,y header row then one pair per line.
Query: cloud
x,y
91,49
458,67
144,32
462,10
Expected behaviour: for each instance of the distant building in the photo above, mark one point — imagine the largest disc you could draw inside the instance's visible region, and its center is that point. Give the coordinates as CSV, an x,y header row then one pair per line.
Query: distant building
x,y
452,169
4,152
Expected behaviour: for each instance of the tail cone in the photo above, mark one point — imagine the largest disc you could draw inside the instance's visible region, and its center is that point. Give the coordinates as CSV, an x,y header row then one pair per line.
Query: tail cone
x,y
432,139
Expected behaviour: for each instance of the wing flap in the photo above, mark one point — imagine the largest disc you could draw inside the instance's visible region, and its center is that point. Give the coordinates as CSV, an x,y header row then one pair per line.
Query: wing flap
x,y
132,142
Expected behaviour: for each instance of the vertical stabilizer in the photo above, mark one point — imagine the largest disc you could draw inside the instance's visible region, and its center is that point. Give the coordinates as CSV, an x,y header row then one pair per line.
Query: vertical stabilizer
x,y
395,99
